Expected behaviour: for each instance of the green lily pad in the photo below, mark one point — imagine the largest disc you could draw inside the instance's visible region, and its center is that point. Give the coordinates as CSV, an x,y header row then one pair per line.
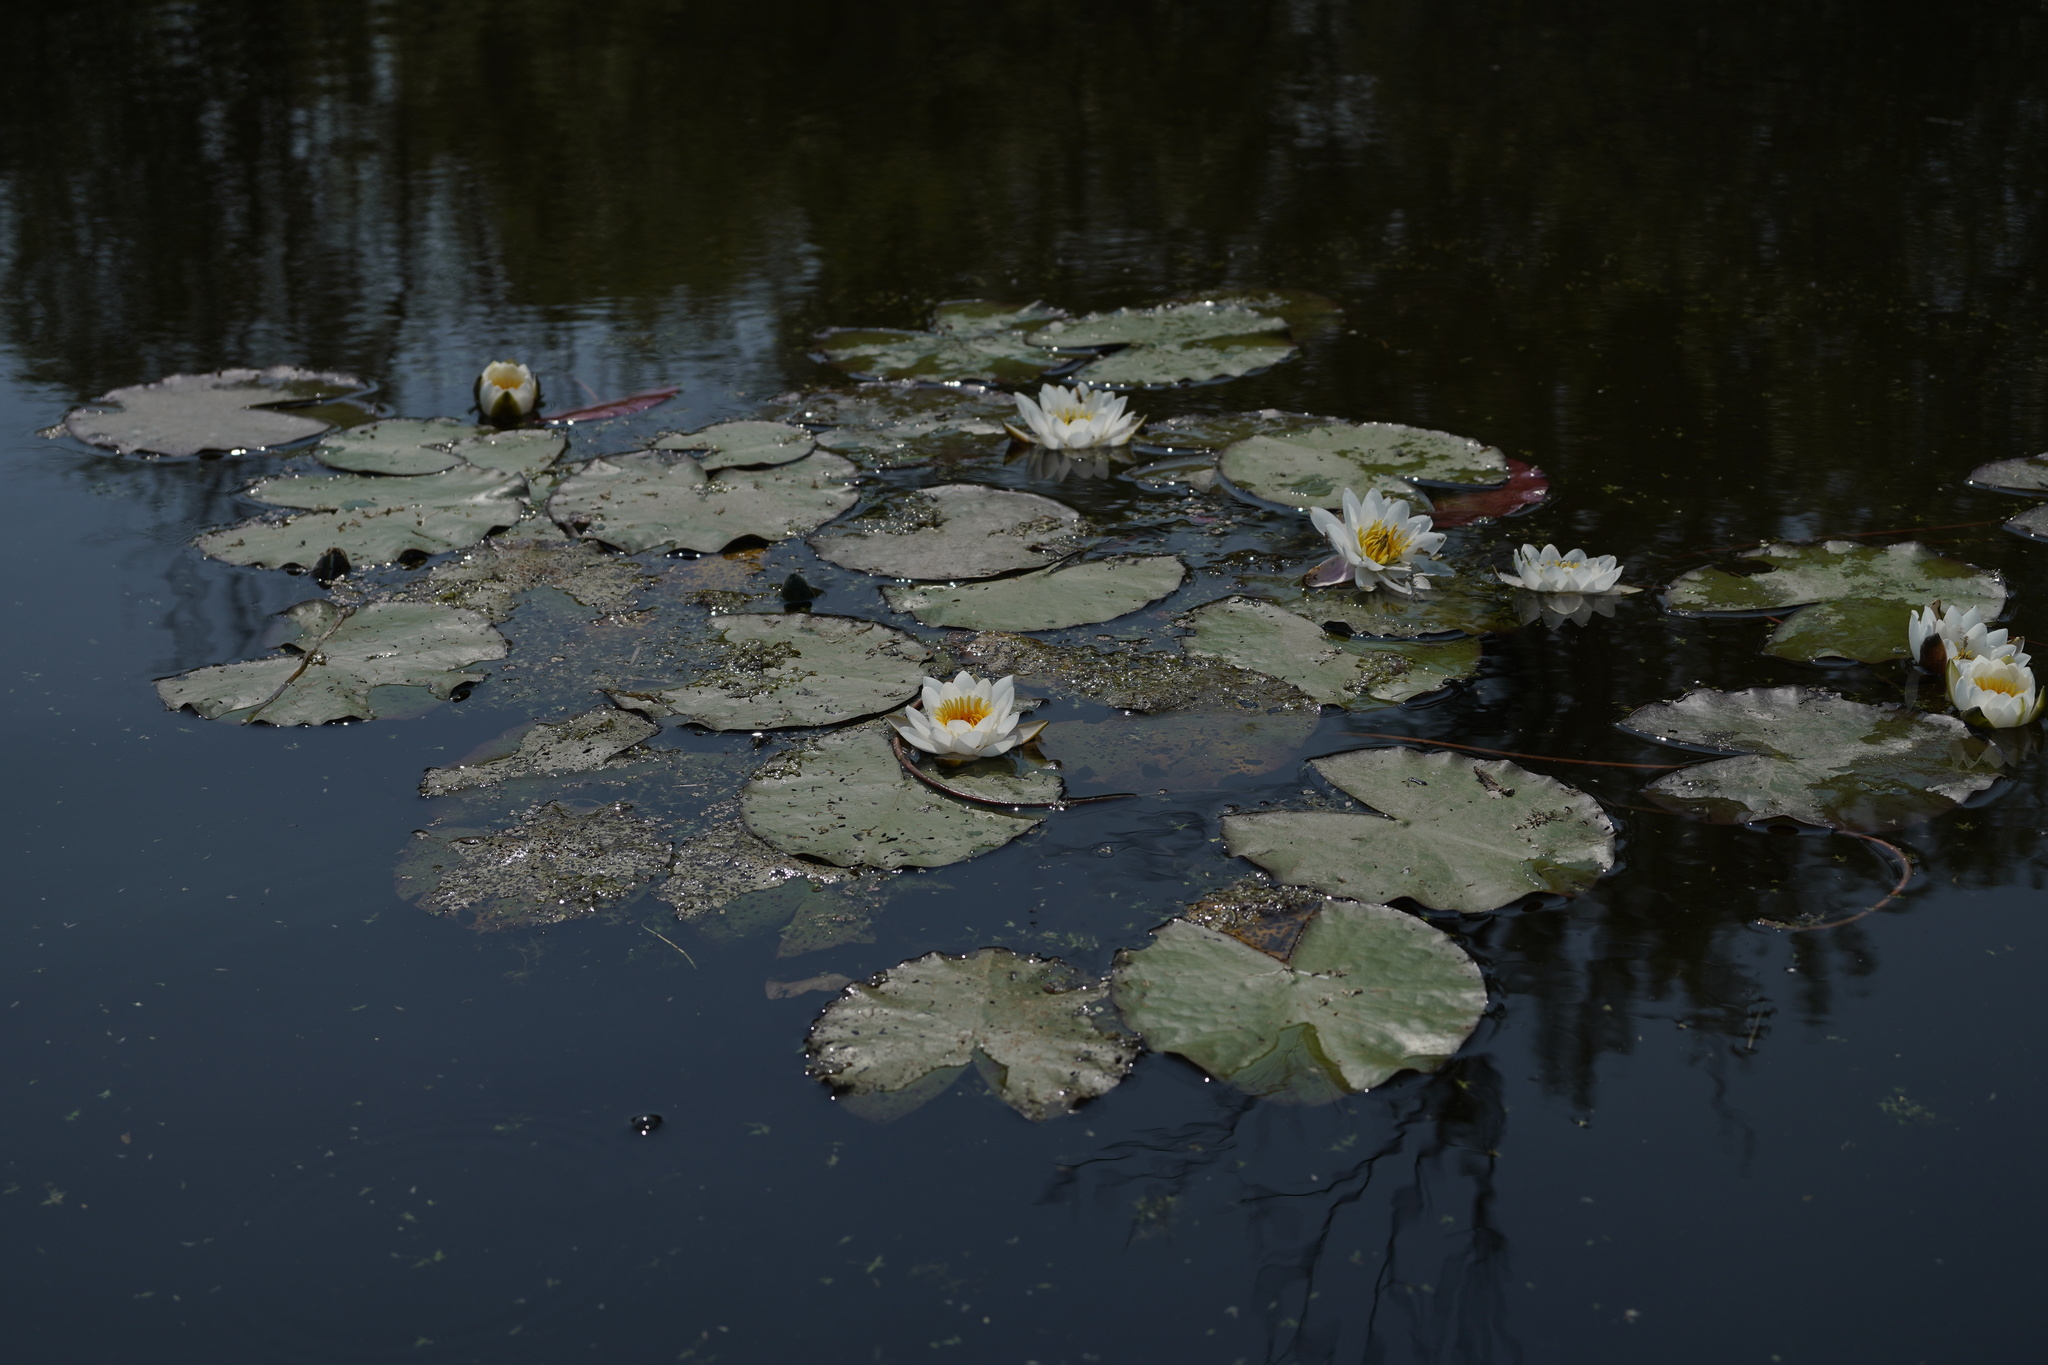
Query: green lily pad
x,y
1368,993
334,661
1467,604
1865,630
1312,468
953,531
373,519
1130,679
654,500
192,414
555,864
2032,523
1014,778
1174,343
1042,1030
1080,594
1907,574
1452,833
1814,757
794,670
576,745
969,339
2029,475
1358,674
900,425
1305,314
1212,431
492,577
844,799
526,452
397,445
737,445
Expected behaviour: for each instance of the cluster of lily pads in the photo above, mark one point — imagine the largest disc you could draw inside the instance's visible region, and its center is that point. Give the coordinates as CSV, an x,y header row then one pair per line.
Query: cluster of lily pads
x,y
1301,979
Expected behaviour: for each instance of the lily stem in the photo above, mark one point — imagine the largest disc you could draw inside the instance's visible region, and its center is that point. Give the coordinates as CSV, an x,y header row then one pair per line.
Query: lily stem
x,y
1905,875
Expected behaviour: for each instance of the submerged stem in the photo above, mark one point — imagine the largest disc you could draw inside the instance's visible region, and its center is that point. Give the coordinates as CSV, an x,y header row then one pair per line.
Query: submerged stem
x,y
1905,875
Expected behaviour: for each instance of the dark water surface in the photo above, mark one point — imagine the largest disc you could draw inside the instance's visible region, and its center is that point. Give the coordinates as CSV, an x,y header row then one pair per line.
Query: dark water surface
x,y
1728,272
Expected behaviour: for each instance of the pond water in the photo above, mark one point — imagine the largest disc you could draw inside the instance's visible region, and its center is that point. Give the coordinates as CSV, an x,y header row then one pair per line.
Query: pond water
x,y
1728,274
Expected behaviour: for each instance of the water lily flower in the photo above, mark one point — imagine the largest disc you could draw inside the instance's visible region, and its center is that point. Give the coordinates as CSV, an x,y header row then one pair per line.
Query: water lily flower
x,y
1074,419
1937,635
506,393
1546,570
968,717
1383,544
1998,689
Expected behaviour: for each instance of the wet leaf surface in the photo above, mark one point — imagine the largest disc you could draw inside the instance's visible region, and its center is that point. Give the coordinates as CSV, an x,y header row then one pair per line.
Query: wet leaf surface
x,y
797,669
397,445
1312,468
658,501
555,864
1527,486
492,578
2029,475
719,866
372,519
192,414
902,425
1127,677
1853,628
1358,674
1173,343
1079,594
1908,574
526,452
733,445
952,531
1471,603
969,339
1452,833
578,744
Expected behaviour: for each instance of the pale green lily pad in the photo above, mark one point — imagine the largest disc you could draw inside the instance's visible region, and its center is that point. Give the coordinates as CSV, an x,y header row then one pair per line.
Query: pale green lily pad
x,y
1212,431
1452,833
1854,628
526,452
953,531
336,658
1368,992
900,425
1174,343
729,862
2029,475
1306,314
794,670
1195,362
1907,573
1043,1031
1358,674
1080,594
653,500
737,445
397,445
1128,678
969,339
576,745
191,414
2032,523
1312,468
492,577
1814,757
1465,604
1014,778
373,519
555,864
844,799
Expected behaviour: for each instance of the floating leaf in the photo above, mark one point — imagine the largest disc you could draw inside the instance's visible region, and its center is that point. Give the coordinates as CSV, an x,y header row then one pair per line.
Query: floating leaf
x,y
397,445
1358,674
373,519
526,452
969,339
649,501
1173,343
335,658
1312,468
896,426
2032,523
2029,475
736,445
1908,574
576,745
1256,910
1040,1027
728,862
1815,757
555,864
617,407
953,531
844,799
1127,678
1179,752
794,670
190,414
1475,603
1853,628
1080,594
1194,362
1368,992
491,578
1526,487
1212,431
1015,778
1452,833
1305,314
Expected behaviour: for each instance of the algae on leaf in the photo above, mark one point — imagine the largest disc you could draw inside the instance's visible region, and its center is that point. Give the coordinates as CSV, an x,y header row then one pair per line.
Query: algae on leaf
x,y
191,414
898,425
1130,679
1174,343
555,864
372,519
1080,594
1907,574
797,669
576,745
491,578
1041,1030
1468,604
969,339
1452,833
719,865
525,452
737,445
334,661
1312,468
654,500
1815,757
953,531
397,445
1367,993
1358,674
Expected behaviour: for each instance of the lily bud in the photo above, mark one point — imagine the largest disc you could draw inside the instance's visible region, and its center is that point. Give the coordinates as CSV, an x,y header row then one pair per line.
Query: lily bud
x,y
506,393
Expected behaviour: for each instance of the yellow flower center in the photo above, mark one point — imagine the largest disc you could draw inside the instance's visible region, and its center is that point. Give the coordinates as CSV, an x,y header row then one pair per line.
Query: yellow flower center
x,y
973,710
1383,542
2009,686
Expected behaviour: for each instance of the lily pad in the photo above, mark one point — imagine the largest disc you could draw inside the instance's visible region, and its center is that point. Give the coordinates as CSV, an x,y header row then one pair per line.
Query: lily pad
x,y
845,800
738,445
2029,475
969,339
1368,993
334,660
727,862
1212,431
1526,487
1854,628
397,445
794,670
1043,1031
900,425
526,452
654,500
491,578
1452,833
1050,599
1467,604
1908,574
1305,314
1312,468
1130,679
1174,343
192,414
576,745
555,864
1815,757
953,531
2032,523
1358,674
372,519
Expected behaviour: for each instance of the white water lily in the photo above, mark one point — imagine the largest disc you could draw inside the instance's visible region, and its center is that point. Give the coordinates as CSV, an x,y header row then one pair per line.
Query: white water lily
x,y
968,717
1074,419
1383,544
1999,689
1576,572
506,393
1938,636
